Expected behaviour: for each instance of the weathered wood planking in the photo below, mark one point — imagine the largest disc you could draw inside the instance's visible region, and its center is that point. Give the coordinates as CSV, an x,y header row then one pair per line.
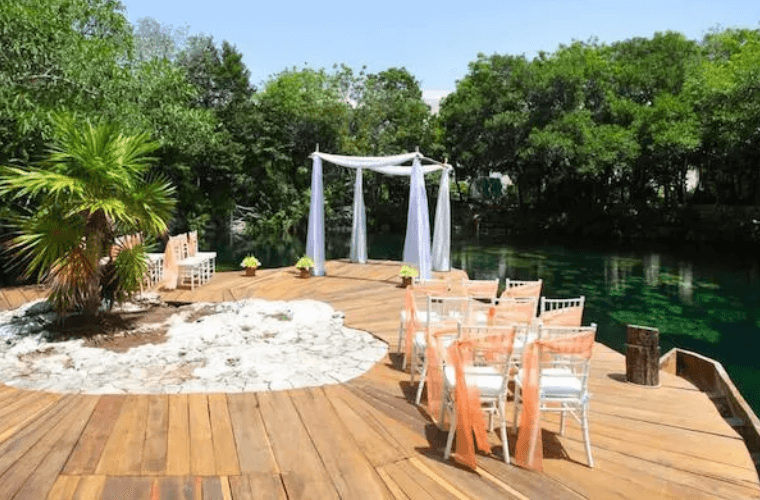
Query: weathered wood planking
x,y
360,439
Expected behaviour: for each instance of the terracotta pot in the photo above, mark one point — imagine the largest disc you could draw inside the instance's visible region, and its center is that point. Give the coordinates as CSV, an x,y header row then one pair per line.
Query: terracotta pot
x,y
250,271
406,280
305,272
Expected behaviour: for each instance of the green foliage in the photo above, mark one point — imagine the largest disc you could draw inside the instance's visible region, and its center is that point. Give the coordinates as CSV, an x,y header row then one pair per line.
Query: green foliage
x,y
250,261
594,126
305,262
93,187
56,55
408,272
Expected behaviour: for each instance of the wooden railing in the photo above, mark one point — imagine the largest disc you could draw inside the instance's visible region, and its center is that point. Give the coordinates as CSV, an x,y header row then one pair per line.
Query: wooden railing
x,y
710,377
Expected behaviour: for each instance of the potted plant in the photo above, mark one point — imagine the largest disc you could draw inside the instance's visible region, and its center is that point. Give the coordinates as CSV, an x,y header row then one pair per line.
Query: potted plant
x,y
305,264
250,264
407,273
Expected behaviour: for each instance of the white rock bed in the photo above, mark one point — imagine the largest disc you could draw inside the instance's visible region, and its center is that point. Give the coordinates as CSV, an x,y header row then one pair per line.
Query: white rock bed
x,y
251,345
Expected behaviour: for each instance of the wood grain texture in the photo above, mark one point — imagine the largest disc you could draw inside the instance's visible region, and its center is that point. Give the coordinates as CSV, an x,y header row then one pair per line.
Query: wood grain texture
x,y
362,439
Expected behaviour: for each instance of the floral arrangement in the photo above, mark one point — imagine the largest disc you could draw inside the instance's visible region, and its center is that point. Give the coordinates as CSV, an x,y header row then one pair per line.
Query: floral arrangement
x,y
305,262
250,261
408,272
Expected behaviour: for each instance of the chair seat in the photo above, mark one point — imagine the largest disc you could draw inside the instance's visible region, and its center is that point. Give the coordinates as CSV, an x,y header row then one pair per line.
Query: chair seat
x,y
487,379
556,383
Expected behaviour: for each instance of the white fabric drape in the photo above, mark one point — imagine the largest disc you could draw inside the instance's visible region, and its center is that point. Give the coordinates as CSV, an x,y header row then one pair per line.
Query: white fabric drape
x,y
359,228
417,242
367,161
387,165
315,238
417,248
442,229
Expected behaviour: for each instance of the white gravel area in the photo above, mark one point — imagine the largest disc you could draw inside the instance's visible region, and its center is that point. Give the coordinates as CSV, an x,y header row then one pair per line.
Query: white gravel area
x,y
250,345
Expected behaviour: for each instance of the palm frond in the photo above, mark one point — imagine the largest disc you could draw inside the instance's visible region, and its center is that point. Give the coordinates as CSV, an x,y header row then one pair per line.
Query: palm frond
x,y
130,268
43,238
19,182
152,204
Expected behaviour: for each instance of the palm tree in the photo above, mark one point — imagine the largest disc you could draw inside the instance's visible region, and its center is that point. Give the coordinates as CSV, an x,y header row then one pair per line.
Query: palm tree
x,y
93,187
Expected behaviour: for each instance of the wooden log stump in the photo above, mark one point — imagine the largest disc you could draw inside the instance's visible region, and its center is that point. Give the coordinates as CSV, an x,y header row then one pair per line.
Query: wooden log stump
x,y
642,357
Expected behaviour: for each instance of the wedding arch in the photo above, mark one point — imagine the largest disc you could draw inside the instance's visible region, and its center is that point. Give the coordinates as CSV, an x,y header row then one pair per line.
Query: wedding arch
x,y
417,248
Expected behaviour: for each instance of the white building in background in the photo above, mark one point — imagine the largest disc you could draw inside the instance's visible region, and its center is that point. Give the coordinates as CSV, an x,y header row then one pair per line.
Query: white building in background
x,y
433,99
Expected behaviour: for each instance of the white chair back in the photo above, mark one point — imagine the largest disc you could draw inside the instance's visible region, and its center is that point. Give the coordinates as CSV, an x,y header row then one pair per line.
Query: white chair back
x,y
517,289
562,312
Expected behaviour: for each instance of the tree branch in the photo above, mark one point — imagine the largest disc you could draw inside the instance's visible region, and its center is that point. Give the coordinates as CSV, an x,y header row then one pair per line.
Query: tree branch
x,y
46,76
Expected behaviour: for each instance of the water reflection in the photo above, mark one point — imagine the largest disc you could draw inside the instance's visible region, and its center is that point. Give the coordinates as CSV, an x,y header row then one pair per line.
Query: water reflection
x,y
685,281
705,303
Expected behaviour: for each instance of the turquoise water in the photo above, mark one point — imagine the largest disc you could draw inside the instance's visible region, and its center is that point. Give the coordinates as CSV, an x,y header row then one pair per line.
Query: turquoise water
x,y
706,301
703,302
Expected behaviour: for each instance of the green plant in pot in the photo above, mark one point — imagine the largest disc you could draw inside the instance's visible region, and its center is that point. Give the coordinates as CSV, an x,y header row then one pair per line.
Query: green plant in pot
x,y
250,264
305,264
407,273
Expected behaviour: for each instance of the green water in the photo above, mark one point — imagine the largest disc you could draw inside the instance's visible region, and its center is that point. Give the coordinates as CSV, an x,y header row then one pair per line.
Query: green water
x,y
706,301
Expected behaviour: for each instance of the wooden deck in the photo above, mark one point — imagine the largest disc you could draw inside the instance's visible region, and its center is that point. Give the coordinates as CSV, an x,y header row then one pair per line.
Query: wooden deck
x,y
363,439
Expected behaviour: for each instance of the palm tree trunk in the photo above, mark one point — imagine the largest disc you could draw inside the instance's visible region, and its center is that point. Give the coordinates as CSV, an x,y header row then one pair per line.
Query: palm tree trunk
x,y
96,247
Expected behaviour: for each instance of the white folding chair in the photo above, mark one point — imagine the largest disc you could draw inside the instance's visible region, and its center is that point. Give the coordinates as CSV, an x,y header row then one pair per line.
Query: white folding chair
x,y
506,310
479,289
488,369
562,382
562,312
422,288
440,310
190,268
207,258
517,289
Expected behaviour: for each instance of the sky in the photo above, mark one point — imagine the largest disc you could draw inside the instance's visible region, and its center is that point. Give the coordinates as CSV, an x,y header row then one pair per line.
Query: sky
x,y
435,41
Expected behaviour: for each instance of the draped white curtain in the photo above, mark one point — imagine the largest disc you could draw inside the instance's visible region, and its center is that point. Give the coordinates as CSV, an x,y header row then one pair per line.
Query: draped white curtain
x,y
417,249
417,242
442,229
359,228
315,236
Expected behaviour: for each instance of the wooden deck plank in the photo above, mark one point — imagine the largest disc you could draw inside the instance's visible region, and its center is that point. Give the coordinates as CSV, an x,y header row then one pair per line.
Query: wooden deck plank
x,y
178,488
225,451
212,489
90,487
127,488
670,477
178,438
664,443
351,472
414,484
19,401
33,475
153,461
202,462
378,446
302,471
64,488
19,444
122,454
257,487
10,424
86,455
255,455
